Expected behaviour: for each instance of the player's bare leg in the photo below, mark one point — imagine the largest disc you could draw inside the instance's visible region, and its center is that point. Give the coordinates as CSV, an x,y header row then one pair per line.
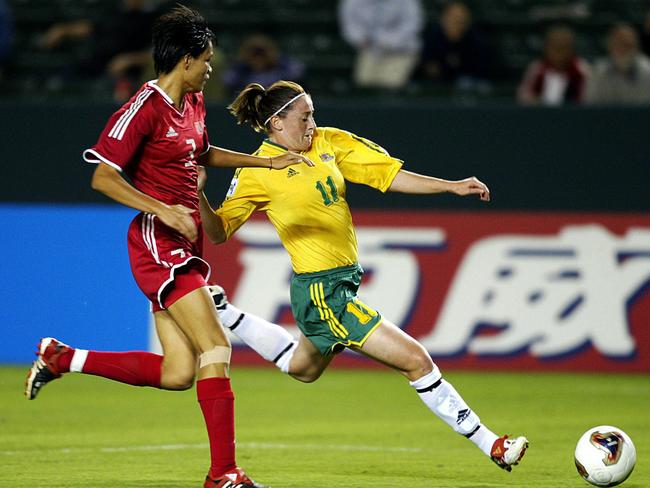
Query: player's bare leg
x,y
179,366
391,346
197,319
307,363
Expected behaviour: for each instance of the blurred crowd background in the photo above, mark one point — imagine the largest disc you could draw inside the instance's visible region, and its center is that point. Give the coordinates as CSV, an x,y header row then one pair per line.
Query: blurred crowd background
x,y
531,52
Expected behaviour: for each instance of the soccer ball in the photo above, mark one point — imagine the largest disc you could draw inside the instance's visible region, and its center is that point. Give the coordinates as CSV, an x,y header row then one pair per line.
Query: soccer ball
x,y
605,456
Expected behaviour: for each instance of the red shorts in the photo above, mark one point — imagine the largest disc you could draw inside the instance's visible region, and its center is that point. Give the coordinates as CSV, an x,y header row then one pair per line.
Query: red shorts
x,y
158,254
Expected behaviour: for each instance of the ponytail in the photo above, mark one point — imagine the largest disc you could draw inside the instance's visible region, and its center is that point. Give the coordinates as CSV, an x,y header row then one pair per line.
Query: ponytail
x,y
246,106
255,105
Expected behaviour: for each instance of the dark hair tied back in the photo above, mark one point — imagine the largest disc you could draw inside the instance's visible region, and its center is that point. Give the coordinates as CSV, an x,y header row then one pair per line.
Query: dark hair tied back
x,y
255,104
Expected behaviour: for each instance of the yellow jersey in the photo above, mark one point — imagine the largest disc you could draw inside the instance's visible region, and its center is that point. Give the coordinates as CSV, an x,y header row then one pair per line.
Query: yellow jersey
x,y
307,205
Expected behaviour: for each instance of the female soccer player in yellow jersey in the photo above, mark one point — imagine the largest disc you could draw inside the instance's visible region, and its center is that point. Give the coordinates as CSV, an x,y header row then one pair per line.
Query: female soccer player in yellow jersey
x,y
307,206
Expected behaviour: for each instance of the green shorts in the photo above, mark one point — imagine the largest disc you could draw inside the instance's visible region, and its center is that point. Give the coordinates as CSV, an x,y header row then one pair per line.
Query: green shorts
x,y
328,311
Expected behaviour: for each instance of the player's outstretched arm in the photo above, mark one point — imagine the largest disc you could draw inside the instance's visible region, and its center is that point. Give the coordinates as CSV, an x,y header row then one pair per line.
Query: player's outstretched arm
x,y
408,182
218,157
109,181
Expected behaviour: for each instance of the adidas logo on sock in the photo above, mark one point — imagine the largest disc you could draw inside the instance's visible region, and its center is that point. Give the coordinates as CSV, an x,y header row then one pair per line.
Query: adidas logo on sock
x,y
292,172
462,415
171,133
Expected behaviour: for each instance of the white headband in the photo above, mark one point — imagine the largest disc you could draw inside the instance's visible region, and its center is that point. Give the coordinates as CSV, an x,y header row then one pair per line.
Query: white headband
x,y
284,106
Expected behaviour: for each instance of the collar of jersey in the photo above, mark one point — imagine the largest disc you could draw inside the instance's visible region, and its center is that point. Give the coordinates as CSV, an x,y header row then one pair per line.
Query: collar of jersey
x,y
274,146
154,84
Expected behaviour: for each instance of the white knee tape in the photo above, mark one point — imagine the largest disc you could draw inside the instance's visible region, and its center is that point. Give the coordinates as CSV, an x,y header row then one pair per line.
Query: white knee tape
x,y
219,354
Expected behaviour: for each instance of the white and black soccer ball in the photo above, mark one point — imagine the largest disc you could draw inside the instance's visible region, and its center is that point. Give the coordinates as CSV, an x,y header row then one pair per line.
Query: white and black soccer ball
x,y
605,456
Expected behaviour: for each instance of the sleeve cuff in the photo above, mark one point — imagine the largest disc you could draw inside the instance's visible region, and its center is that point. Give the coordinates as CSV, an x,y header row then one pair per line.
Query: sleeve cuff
x,y
92,156
391,176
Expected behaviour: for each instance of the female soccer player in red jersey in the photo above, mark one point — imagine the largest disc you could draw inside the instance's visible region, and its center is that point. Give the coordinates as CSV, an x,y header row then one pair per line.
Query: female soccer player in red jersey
x,y
157,139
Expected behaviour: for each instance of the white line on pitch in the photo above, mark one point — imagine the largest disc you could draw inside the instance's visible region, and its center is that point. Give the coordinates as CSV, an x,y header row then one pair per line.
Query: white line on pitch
x,y
245,445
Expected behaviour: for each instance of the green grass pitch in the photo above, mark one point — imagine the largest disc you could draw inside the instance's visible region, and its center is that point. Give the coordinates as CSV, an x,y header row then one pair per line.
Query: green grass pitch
x,y
352,429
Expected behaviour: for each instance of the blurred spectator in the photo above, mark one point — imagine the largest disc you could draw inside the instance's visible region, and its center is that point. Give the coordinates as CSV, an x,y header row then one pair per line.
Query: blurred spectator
x,y
119,45
559,77
624,76
260,61
645,35
6,33
454,52
386,35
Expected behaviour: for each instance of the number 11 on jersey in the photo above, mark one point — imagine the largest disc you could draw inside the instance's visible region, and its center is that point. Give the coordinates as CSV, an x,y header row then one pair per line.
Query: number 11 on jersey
x,y
327,199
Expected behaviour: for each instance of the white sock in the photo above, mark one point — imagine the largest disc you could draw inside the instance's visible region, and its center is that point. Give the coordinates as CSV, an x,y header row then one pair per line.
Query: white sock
x,y
78,360
271,341
229,315
484,438
444,401
284,361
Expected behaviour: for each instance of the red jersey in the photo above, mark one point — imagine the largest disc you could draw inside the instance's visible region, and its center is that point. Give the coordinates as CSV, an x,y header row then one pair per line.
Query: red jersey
x,y
156,145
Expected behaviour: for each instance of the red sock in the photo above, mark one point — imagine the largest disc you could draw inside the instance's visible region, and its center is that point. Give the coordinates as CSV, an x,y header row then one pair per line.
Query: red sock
x,y
218,405
64,360
134,368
